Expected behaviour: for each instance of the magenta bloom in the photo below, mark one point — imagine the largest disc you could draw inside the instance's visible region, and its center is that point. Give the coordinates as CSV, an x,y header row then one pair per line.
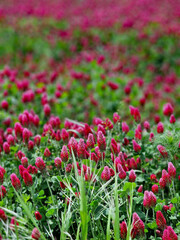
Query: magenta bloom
x,y
160,127
138,227
40,164
101,140
171,170
81,150
64,154
15,181
160,220
136,146
106,174
132,176
168,109
35,234
122,173
162,150
57,162
123,229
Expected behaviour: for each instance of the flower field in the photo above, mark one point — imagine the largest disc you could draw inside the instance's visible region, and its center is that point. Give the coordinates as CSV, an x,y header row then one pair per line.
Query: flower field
x,y
90,120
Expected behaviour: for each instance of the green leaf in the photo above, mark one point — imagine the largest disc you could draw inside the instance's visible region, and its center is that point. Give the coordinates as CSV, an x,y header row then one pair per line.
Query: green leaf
x,y
41,193
50,212
152,225
128,186
174,200
26,197
98,212
158,207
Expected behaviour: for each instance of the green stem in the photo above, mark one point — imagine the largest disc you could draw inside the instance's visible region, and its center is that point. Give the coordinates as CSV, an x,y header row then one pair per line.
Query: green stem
x,y
116,224
163,194
154,220
57,215
130,214
146,218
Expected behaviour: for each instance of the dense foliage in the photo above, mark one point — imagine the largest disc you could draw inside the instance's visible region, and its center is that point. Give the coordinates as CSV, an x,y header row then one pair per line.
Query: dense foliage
x,y
89,120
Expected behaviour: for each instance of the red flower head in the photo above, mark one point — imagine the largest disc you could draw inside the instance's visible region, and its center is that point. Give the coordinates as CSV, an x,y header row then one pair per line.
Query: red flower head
x,y
37,140
165,235
2,191
64,154
21,170
126,142
146,200
122,173
127,89
57,162
4,105
90,141
160,220
135,113
101,141
172,119
3,215
47,152
35,234
25,135
36,120
24,162
157,119
171,170
47,110
15,181
81,151
153,178
112,172
73,144
13,223
155,188
138,227
125,127
34,170
169,234
40,164
147,126
113,85
138,134
115,147
123,229
152,199
160,127
68,168
64,135
30,145
6,147
10,140
27,178
168,109
62,185
136,146
151,137
140,189
166,176
162,150
132,176
94,157
162,183
149,199
18,129
106,174
116,118
165,208
38,216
